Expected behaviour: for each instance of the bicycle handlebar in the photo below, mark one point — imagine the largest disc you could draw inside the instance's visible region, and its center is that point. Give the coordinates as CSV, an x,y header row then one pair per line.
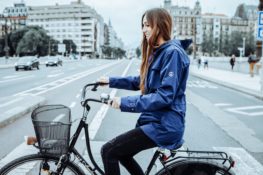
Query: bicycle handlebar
x,y
94,88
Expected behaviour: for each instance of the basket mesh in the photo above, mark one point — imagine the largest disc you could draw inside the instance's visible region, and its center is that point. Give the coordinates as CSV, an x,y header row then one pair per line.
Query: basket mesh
x,y
52,126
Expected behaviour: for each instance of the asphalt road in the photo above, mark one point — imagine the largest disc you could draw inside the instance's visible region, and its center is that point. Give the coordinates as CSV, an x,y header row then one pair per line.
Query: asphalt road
x,y
203,130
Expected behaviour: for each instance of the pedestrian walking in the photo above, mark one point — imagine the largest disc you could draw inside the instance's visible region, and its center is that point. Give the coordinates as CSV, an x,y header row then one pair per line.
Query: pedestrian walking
x,y
199,61
252,60
205,63
232,61
162,82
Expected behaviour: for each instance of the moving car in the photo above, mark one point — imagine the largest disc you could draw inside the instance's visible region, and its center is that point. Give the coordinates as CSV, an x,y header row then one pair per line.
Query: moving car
x,y
54,61
27,63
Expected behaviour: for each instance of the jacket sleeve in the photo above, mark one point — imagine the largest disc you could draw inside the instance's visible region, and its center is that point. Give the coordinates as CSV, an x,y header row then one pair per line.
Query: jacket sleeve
x,y
170,74
128,83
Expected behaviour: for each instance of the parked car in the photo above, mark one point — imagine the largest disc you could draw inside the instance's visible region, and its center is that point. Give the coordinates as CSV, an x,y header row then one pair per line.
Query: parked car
x,y
27,63
54,61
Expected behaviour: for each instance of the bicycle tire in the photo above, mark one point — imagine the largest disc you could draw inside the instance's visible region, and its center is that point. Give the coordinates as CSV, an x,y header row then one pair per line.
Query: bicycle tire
x,y
195,167
28,165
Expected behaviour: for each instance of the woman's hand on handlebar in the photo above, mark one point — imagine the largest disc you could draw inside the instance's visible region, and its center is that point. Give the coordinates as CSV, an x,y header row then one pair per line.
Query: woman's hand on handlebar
x,y
115,102
104,81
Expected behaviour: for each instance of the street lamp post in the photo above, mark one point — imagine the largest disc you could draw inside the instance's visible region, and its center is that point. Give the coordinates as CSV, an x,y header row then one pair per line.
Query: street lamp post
x,y
194,32
244,45
260,8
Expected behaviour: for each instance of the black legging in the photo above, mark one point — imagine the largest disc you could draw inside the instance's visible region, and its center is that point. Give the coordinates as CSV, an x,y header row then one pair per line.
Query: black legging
x,y
122,149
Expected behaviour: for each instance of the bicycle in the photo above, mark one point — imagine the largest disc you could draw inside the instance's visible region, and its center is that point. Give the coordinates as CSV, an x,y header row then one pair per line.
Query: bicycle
x,y
57,154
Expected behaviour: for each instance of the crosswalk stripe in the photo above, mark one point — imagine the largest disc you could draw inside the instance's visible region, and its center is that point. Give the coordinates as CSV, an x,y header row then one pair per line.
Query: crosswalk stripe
x,y
223,104
245,164
245,110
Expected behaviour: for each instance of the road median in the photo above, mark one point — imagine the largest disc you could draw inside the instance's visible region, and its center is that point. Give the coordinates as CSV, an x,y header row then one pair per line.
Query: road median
x,y
16,108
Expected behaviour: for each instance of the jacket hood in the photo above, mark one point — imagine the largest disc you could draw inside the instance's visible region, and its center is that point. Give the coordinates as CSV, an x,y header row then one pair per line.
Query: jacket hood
x,y
178,43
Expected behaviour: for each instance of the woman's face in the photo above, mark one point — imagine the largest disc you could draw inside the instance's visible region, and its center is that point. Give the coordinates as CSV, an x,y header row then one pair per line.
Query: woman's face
x,y
146,29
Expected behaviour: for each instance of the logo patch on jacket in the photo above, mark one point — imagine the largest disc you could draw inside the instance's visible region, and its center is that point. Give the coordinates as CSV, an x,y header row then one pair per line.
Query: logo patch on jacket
x,y
171,74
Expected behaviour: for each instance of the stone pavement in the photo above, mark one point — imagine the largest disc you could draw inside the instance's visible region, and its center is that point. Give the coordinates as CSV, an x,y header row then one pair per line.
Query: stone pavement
x,y
234,80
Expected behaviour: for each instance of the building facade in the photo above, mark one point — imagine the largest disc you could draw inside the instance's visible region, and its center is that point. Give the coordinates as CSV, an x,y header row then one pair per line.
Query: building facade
x,y
187,22
13,18
77,22
191,23
113,40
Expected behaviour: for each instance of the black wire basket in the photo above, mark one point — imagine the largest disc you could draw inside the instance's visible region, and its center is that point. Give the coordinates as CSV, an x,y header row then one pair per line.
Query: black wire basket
x,y
52,127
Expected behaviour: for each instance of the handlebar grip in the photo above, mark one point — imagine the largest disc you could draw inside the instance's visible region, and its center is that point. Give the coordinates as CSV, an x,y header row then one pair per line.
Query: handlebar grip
x,y
102,84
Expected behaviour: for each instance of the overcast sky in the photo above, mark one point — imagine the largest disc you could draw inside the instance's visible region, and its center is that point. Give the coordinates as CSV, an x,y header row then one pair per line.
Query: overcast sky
x,y
125,15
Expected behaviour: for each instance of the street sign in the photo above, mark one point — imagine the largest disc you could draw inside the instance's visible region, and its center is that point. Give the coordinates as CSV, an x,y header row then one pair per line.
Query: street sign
x,y
260,33
260,26
260,18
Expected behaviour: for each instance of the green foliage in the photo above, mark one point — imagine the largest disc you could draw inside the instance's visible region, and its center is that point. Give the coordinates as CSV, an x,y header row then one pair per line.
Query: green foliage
x,y
30,40
71,47
208,45
230,45
138,52
112,53
106,50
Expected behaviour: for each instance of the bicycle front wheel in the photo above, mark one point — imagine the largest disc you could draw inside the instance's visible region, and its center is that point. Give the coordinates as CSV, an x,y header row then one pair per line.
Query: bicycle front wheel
x,y
195,168
38,165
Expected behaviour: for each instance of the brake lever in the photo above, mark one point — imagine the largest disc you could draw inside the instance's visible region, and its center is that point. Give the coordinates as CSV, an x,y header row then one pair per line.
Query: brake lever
x,y
97,84
95,87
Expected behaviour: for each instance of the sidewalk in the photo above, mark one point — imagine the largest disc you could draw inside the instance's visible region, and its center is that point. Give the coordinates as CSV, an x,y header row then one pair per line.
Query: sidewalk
x,y
234,80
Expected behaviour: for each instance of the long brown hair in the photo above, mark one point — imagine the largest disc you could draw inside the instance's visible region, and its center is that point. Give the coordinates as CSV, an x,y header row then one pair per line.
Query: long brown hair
x,y
161,23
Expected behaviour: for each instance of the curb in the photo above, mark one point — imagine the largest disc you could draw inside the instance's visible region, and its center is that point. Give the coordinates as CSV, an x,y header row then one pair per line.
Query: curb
x,y
229,85
19,108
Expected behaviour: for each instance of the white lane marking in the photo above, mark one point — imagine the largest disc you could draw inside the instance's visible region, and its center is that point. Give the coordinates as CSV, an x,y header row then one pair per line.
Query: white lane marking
x,y
245,110
59,117
58,83
72,104
201,84
20,78
97,120
54,75
19,151
11,76
10,102
78,95
245,164
223,104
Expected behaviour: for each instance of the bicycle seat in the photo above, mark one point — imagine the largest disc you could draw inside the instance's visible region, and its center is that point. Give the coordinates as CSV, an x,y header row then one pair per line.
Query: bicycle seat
x,y
175,149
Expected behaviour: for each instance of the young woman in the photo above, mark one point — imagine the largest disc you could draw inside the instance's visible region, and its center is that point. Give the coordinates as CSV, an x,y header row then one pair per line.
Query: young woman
x,y
162,82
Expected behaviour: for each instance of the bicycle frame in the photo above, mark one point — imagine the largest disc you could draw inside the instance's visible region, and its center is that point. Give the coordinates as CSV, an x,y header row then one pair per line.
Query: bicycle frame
x,y
85,126
165,160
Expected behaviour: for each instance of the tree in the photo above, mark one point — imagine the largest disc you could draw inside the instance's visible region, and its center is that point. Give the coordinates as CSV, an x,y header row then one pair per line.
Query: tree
x,y
15,37
107,50
119,53
208,45
250,45
71,47
29,43
2,46
138,52
21,43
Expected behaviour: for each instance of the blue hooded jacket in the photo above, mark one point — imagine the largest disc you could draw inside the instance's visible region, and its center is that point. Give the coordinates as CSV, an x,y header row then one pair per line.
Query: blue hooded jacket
x,y
163,106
